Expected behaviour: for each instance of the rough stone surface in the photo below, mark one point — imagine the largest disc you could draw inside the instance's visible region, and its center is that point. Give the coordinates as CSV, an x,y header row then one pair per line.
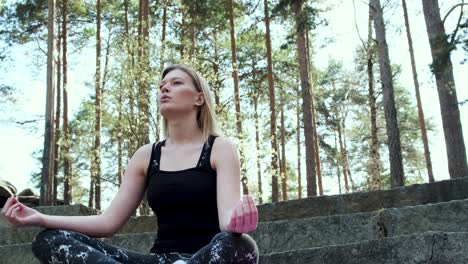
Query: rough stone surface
x,y
314,232
140,224
441,191
17,254
280,236
431,247
13,235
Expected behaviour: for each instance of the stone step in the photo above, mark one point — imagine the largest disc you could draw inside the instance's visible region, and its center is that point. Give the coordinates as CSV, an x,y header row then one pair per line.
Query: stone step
x,y
12,235
429,247
441,191
284,235
320,231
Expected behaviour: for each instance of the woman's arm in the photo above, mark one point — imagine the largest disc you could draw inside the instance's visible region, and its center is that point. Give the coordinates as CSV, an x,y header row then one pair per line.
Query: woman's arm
x,y
235,214
109,222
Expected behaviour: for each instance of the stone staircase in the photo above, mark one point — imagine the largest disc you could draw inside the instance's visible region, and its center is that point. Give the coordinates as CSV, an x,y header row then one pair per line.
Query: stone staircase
x,y
425,223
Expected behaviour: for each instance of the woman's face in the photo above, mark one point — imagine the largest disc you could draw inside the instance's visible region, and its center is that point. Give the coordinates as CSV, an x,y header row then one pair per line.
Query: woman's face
x,y
177,94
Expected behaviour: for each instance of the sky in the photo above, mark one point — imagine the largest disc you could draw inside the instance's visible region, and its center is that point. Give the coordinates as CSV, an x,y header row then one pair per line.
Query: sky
x,y
17,144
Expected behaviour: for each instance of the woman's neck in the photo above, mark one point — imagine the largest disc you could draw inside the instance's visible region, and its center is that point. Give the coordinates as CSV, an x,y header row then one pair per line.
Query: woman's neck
x,y
184,131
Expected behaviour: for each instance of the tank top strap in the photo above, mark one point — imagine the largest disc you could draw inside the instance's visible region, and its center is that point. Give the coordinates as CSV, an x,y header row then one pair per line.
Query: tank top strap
x,y
153,165
204,161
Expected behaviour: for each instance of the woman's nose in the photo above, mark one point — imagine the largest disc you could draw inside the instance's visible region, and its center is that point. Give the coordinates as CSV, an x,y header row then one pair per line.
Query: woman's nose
x,y
164,88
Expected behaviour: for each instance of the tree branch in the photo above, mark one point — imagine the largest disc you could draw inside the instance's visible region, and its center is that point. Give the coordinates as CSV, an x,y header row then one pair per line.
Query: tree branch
x,y
28,121
355,25
453,8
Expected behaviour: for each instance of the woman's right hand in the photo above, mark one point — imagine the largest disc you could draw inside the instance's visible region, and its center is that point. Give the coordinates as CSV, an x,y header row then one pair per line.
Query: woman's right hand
x,y
18,214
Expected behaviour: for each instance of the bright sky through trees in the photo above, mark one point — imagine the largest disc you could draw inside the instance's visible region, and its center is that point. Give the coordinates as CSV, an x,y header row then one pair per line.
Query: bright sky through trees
x,y
17,144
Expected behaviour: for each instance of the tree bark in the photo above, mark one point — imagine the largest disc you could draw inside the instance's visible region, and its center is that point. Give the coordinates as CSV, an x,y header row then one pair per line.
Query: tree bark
x,y
272,101
162,61
217,83
442,68
257,148
96,168
393,132
298,142
192,30
47,184
235,76
342,156
67,190
58,109
374,161
422,122
312,102
284,180
306,99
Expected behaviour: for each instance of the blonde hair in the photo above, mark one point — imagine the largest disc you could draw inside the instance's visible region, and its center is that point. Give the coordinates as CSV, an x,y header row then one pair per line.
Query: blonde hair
x,y
206,116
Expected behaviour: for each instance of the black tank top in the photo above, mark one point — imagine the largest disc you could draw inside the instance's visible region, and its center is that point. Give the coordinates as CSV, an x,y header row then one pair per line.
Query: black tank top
x,y
184,202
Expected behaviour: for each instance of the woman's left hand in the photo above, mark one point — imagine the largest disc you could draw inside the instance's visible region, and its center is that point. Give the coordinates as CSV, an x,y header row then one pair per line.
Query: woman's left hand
x,y
244,217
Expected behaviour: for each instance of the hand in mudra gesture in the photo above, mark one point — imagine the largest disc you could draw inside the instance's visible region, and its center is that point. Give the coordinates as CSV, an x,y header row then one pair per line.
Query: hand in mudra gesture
x,y
18,214
244,217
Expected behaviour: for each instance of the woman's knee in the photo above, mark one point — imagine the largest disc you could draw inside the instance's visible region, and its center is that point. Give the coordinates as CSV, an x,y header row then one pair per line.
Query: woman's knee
x,y
45,239
243,244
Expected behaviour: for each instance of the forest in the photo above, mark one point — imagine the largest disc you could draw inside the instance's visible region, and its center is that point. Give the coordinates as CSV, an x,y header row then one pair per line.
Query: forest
x,y
302,129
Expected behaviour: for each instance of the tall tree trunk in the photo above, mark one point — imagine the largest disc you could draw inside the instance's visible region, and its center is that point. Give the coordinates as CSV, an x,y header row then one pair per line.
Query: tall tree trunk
x,y
257,149
298,142
47,183
143,85
162,61
338,171
284,182
235,76
182,35
342,156
143,65
422,122
119,139
314,126
96,168
193,16
217,83
91,193
393,132
442,68
58,109
67,190
374,161
272,101
306,98
345,152
132,144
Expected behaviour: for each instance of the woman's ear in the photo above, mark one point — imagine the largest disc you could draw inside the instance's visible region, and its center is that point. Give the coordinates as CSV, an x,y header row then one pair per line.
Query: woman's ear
x,y
200,99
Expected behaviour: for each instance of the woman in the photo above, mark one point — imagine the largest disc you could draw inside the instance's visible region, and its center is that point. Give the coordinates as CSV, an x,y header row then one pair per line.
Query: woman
x,y
192,179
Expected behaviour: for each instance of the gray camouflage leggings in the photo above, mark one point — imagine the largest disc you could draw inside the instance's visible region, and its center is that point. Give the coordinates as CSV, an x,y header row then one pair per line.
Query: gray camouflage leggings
x,y
61,246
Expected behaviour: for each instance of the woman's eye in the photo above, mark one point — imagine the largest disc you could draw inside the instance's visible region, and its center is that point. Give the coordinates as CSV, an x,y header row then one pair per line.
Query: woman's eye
x,y
177,82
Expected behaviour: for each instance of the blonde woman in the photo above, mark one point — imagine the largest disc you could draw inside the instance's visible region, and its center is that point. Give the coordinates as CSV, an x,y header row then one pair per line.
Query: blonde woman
x,y
192,180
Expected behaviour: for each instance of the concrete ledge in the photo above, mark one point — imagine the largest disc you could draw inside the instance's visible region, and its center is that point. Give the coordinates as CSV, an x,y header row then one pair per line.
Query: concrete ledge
x,y
13,235
285,235
441,191
431,247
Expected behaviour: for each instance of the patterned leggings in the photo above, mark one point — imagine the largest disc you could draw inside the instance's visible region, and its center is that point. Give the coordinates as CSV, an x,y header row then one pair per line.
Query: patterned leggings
x,y
60,246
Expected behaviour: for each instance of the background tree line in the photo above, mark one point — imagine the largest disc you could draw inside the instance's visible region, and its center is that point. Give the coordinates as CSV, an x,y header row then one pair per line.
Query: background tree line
x,y
359,126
